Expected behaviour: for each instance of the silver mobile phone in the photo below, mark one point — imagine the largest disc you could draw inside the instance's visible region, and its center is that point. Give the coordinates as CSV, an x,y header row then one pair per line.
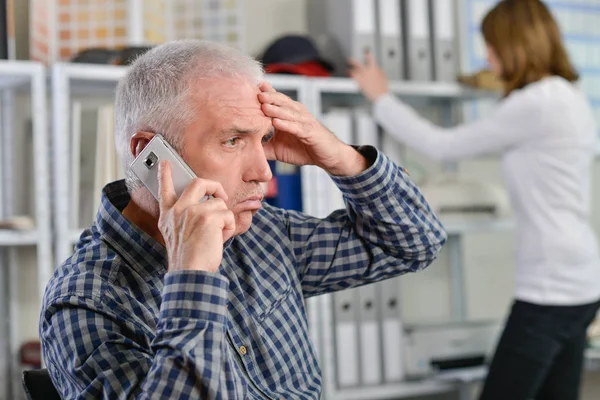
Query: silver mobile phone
x,y
145,166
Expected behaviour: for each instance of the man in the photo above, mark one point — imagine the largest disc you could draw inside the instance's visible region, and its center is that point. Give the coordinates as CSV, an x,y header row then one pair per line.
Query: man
x,y
187,299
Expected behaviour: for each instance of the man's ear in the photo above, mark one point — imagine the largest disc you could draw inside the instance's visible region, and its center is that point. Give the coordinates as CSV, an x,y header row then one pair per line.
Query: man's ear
x,y
138,141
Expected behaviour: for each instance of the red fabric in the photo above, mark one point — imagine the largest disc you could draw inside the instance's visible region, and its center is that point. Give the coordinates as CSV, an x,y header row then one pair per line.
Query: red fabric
x,y
309,68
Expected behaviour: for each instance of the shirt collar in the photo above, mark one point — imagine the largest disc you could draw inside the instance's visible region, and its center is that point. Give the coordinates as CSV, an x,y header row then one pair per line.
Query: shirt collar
x,y
140,250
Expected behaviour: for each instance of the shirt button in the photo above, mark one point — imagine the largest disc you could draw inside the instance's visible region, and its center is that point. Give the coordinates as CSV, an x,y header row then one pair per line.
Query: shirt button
x,y
243,350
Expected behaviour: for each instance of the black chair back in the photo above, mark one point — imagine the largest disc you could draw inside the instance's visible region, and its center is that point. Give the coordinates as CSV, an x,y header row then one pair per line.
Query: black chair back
x,y
38,385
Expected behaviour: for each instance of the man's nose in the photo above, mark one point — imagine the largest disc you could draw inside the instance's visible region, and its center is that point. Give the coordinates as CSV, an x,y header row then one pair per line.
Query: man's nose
x,y
257,168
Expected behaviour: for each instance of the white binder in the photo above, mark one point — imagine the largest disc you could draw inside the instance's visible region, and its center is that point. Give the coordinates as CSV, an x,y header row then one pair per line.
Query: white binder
x,y
370,345
108,166
366,130
391,331
346,337
75,162
352,23
389,25
444,46
417,40
339,121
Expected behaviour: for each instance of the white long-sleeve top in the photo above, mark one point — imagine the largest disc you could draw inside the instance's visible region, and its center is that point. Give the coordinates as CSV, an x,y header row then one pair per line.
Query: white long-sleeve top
x,y
547,135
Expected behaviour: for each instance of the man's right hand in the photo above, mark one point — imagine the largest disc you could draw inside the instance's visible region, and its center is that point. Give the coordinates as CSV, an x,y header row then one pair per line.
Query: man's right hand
x,y
193,231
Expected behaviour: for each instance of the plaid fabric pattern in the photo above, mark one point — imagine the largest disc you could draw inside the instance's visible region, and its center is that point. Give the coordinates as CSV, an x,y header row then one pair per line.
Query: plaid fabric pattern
x,y
116,325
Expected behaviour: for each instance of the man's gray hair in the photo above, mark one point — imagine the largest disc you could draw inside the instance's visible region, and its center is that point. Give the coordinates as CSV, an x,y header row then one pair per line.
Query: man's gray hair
x,y
154,94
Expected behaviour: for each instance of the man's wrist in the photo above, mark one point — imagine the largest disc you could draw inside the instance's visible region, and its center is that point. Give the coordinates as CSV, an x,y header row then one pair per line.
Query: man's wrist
x,y
351,163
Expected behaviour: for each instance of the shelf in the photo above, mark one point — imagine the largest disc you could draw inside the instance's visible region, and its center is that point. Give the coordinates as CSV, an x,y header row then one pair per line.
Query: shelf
x,y
12,82
395,391
457,227
17,74
94,79
441,90
18,238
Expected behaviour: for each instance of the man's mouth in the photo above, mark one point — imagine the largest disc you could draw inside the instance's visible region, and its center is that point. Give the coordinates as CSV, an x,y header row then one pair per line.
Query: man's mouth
x,y
251,202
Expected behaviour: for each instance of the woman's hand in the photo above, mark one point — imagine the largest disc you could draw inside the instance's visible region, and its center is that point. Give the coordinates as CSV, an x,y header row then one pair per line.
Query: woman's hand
x,y
370,77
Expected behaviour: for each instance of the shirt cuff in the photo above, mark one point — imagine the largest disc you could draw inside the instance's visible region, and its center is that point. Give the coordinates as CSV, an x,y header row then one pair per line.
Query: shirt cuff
x,y
372,182
194,295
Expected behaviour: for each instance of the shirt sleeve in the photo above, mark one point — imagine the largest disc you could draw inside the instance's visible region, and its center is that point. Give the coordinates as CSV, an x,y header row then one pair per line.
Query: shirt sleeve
x,y
386,229
94,350
504,128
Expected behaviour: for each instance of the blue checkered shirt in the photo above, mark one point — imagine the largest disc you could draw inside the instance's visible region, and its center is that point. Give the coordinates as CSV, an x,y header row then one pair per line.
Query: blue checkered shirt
x,y
116,324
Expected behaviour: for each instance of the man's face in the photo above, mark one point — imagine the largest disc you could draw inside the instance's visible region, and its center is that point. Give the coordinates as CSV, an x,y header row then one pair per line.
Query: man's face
x,y
225,143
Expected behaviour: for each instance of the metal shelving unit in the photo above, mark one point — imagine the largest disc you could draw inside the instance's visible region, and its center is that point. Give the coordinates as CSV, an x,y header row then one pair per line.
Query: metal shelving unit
x,y
325,92
21,79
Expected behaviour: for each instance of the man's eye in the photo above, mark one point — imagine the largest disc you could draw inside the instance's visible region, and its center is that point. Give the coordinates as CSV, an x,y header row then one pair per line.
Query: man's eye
x,y
232,142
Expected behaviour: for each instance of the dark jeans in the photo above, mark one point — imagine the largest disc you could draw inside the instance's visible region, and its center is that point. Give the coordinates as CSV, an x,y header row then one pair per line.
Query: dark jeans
x,y
540,354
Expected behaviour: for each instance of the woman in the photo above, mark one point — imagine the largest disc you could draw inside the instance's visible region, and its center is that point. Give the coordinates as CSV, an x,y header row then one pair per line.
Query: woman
x,y
546,131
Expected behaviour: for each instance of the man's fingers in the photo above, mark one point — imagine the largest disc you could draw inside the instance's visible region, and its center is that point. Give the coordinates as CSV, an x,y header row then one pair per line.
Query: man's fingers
x,y
266,87
273,111
269,151
228,225
198,188
276,98
166,192
293,127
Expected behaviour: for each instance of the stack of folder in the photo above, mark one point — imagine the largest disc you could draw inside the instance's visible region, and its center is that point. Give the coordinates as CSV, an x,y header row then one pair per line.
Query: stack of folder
x,y
412,39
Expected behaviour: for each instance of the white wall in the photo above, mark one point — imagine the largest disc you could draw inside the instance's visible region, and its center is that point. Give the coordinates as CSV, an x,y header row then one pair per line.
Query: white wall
x,y
267,19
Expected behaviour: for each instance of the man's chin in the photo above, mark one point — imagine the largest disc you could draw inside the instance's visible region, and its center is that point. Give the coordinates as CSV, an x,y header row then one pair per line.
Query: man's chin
x,y
243,221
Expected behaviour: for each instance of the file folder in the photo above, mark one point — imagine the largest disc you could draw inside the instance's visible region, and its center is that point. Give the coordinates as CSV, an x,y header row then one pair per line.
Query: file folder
x,y
443,33
352,25
366,130
389,31
346,337
417,40
370,348
309,195
392,333
75,162
339,121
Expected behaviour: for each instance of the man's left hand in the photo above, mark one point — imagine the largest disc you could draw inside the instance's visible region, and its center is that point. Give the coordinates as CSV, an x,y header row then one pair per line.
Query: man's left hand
x,y
301,140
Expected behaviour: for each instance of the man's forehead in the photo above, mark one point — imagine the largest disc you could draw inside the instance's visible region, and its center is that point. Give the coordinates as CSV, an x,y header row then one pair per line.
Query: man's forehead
x,y
226,89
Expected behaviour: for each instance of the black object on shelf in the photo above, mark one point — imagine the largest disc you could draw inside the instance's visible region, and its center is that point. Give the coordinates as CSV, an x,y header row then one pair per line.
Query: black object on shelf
x,y
100,55
3,30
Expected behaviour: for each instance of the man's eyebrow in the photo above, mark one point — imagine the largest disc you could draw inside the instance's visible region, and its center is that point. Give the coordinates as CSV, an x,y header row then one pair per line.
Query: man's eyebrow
x,y
242,131
238,131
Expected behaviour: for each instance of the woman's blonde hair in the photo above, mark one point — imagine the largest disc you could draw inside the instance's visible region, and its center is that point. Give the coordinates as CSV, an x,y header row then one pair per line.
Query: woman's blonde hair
x,y
527,42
